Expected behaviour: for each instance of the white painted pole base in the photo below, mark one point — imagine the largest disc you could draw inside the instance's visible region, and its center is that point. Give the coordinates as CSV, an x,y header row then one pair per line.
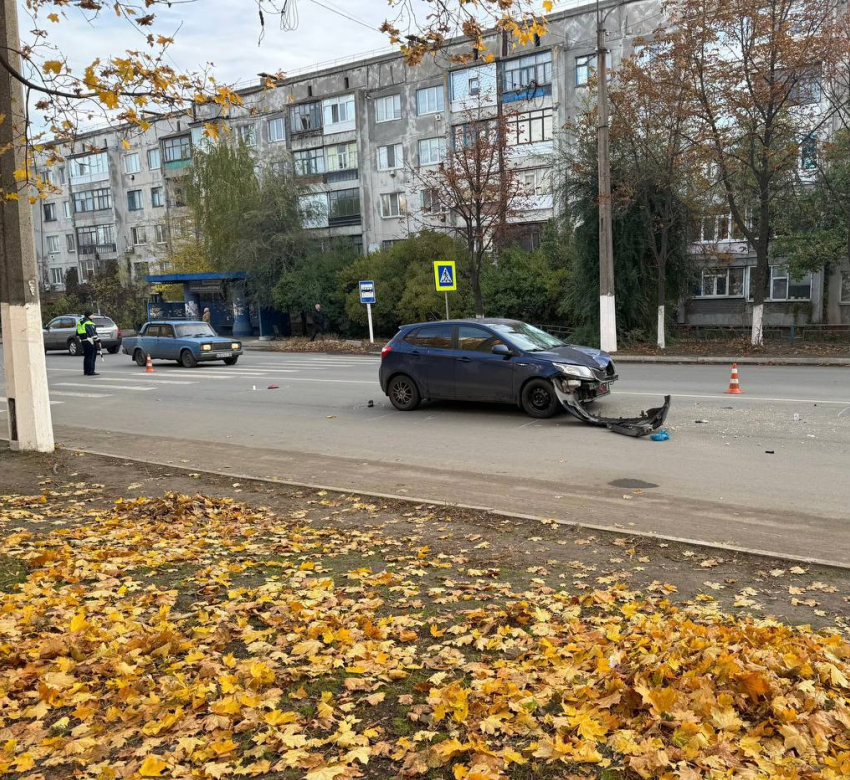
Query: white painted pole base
x,y
607,323
369,316
662,344
758,325
28,410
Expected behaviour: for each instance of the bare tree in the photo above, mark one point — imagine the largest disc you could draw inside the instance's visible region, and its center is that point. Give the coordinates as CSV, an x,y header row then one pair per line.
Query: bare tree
x,y
478,185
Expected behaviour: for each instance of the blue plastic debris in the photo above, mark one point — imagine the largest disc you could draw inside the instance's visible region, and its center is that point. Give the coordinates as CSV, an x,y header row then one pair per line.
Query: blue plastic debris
x,y
660,436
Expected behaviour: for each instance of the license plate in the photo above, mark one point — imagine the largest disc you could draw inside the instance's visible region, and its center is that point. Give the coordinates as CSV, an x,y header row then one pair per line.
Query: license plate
x,y
603,389
224,354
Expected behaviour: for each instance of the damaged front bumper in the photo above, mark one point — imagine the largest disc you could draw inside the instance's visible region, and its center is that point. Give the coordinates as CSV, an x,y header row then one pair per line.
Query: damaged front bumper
x,y
643,425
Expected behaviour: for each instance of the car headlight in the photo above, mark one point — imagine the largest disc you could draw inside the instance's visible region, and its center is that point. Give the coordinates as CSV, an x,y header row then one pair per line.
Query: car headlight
x,y
235,345
579,371
206,347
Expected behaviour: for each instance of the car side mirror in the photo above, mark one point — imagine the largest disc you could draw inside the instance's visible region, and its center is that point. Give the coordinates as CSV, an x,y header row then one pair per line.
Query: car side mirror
x,y
501,349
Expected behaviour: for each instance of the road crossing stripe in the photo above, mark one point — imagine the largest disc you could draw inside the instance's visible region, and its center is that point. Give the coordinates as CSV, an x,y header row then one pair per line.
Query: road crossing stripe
x,y
111,387
737,398
79,395
52,403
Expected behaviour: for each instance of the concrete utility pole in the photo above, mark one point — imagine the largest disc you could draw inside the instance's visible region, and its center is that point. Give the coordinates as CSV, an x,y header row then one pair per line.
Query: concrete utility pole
x,y
607,309
30,426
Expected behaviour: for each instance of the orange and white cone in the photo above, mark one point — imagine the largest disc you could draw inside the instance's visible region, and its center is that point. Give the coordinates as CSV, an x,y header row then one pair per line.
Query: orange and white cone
x,y
734,387
148,365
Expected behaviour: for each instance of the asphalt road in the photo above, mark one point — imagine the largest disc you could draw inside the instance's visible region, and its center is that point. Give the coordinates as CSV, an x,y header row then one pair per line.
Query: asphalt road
x,y
767,470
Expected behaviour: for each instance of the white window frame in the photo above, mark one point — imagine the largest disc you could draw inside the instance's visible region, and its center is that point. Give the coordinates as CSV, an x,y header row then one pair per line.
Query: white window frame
x,y
341,157
778,272
131,163
154,159
430,100
277,130
140,200
48,208
388,108
539,179
520,127
52,245
426,202
441,151
160,234
725,272
390,158
57,272
247,133
344,109
92,165
393,205
585,67
70,243
316,154
161,191
139,234
66,208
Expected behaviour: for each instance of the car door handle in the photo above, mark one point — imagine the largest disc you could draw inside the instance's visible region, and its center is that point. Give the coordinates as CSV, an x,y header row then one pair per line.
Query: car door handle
x,y
464,360
416,353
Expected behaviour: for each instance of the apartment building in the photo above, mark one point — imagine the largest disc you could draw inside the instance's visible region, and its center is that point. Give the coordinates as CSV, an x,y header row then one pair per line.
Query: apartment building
x,y
361,134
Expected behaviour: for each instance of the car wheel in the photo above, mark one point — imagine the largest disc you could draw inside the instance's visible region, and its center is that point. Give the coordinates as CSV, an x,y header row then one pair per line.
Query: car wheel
x,y
113,350
403,393
187,359
231,361
539,399
140,358
73,347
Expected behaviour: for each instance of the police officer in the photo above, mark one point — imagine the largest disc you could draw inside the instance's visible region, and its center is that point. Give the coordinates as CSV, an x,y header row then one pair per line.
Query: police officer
x,y
87,335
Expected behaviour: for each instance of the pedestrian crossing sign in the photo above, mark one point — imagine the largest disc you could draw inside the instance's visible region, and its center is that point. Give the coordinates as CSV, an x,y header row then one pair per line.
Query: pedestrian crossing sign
x,y
445,277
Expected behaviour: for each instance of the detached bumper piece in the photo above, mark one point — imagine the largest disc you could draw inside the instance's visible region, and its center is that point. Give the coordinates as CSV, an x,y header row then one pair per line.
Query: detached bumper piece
x,y
648,421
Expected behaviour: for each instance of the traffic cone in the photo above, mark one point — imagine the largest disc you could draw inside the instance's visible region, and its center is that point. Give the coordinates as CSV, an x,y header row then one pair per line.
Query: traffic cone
x,y
148,365
734,387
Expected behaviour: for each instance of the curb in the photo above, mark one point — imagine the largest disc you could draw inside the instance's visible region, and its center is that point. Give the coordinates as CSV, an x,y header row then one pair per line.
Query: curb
x,y
741,361
490,510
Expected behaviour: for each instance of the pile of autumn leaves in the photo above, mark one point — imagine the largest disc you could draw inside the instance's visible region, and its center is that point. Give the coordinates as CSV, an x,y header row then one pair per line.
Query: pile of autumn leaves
x,y
191,637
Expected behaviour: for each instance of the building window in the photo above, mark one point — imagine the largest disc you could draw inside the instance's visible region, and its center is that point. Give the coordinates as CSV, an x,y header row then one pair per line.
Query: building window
x,y
306,117
277,132
177,149
718,227
66,208
90,165
845,287
309,162
91,239
161,234
246,134
157,197
809,153
721,283
58,275
154,162
392,204
93,200
530,127
344,206
783,286
390,157
389,243
140,235
338,111
341,157
586,66
131,163
49,210
432,151
134,200
536,181
53,245
70,243
388,108
429,100
524,72
176,194
431,203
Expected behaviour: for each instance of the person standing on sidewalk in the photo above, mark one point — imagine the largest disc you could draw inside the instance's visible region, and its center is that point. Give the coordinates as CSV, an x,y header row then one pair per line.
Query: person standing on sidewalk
x,y
318,322
87,336
206,317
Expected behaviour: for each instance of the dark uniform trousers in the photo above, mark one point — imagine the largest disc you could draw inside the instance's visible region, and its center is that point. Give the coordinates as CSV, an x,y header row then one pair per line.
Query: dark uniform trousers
x,y
89,357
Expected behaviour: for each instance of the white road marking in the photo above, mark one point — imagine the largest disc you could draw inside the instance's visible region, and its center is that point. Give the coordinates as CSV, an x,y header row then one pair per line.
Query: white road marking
x,y
741,397
338,381
111,387
79,395
142,379
381,417
533,422
52,403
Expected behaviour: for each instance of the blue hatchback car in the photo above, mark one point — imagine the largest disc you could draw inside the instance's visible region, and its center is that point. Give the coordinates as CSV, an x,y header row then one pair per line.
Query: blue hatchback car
x,y
494,360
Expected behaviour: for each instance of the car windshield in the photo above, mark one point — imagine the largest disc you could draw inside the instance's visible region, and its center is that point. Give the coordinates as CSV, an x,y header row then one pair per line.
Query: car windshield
x,y
194,329
103,322
527,337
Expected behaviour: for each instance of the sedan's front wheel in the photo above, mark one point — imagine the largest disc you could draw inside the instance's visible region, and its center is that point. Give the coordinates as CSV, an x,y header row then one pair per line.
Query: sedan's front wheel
x,y
539,399
403,393
187,359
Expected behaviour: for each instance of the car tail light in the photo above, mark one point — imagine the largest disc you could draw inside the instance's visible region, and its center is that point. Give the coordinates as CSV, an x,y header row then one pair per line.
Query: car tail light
x,y
118,333
386,351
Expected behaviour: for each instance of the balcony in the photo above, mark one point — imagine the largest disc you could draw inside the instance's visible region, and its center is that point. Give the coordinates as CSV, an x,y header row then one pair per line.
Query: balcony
x,y
352,174
103,251
344,221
